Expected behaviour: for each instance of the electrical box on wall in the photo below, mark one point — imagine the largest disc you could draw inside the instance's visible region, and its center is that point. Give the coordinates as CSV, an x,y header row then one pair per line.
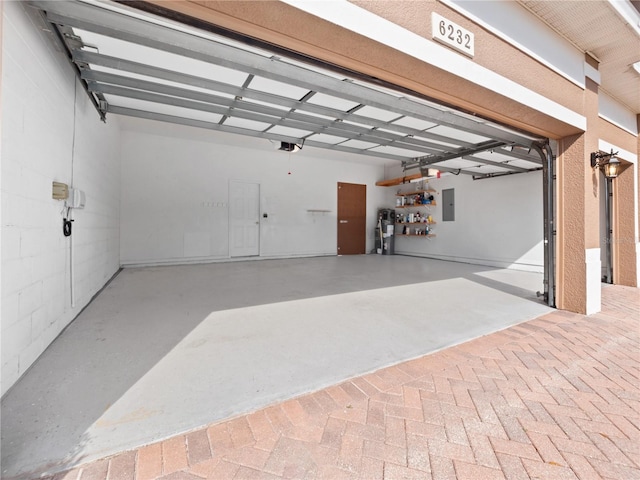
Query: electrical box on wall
x,y
77,198
60,191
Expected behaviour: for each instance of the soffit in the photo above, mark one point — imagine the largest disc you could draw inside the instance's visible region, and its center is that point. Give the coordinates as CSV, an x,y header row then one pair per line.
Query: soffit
x,y
598,28
136,64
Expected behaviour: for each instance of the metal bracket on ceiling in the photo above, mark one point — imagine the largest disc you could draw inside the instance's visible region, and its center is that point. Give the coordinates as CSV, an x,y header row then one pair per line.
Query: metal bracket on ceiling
x,y
503,174
66,41
103,105
431,159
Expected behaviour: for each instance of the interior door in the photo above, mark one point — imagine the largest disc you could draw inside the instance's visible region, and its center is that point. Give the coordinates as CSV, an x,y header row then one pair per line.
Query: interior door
x,y
352,219
244,219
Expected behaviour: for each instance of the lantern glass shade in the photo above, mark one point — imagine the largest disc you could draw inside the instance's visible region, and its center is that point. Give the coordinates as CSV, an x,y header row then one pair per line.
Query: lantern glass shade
x,y
611,168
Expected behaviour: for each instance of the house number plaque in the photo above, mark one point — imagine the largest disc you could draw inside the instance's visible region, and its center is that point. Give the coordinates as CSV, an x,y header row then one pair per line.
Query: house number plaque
x,y
451,34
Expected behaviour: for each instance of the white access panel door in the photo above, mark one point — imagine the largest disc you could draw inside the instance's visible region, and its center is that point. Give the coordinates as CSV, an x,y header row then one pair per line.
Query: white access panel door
x,y
244,219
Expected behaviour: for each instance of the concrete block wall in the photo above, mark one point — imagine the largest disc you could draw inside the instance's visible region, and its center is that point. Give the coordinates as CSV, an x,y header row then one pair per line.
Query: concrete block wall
x,y
50,132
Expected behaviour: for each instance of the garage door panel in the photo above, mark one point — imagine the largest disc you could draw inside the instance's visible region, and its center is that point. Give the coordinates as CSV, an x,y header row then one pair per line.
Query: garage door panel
x,y
151,56
457,163
414,123
486,169
332,102
376,121
291,132
524,164
277,88
144,105
462,135
398,151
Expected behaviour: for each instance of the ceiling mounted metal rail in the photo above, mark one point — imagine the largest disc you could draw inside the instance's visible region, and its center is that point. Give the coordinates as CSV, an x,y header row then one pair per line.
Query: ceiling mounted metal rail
x,y
503,174
506,165
431,159
468,154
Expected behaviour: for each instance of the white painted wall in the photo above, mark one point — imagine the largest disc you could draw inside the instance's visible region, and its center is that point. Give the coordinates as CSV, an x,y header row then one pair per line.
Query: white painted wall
x,y
38,109
498,222
175,194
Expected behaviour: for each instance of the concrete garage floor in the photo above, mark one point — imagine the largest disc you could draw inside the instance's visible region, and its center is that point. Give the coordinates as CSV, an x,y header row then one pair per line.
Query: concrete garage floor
x,y
165,350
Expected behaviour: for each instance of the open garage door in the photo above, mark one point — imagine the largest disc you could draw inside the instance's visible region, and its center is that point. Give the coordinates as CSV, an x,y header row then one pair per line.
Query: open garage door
x,y
141,65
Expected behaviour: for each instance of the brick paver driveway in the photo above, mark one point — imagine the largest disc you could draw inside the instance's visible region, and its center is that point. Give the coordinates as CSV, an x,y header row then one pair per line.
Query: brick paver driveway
x,y
554,398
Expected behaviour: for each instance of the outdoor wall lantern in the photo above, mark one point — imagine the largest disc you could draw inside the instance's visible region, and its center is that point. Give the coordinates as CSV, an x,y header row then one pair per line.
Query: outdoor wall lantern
x,y
607,162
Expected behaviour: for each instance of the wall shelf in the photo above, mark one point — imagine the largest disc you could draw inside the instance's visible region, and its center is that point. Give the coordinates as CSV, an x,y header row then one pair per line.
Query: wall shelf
x,y
415,192
414,235
416,223
415,198
392,182
421,212
416,205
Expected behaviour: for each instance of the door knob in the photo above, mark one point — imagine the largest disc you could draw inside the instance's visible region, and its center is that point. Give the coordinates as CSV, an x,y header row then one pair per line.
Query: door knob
x,y
344,221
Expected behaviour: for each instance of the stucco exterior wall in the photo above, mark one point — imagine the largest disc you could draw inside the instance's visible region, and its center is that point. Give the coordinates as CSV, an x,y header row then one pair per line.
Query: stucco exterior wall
x,y
623,239
617,136
570,252
624,235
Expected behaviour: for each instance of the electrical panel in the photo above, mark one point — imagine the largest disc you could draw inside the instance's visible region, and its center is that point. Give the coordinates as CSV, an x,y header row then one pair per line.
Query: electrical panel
x,y
448,205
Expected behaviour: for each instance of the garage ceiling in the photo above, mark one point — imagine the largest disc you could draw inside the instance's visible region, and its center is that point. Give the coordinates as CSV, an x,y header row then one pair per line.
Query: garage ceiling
x,y
140,65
